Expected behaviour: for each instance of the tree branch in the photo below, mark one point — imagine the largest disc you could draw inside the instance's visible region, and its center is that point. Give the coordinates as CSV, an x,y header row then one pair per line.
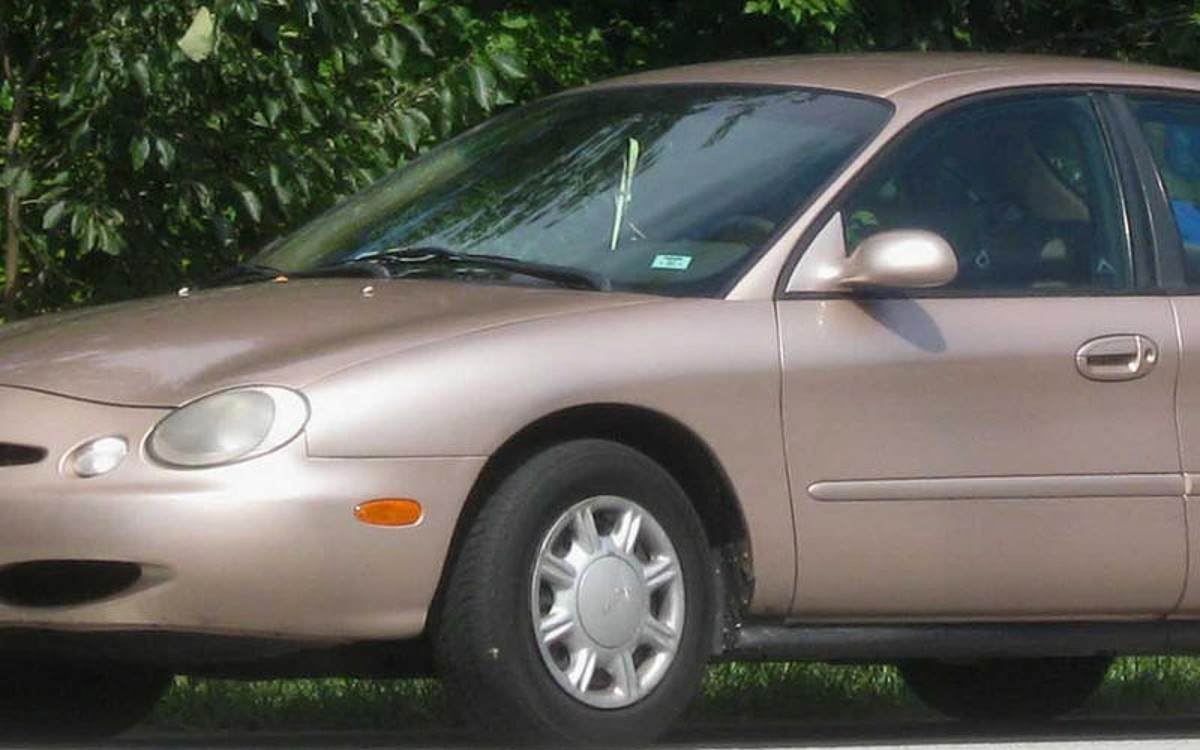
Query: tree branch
x,y
12,203
20,85
1093,35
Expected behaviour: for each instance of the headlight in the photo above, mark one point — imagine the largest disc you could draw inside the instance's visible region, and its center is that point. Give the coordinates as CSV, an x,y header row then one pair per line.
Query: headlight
x,y
229,426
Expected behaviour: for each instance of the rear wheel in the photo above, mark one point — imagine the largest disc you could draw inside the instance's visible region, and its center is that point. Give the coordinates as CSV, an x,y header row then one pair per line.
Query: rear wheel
x,y
580,607
64,701
1006,689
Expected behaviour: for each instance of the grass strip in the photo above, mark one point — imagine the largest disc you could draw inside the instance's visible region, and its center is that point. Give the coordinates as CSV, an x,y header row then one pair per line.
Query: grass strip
x,y
798,691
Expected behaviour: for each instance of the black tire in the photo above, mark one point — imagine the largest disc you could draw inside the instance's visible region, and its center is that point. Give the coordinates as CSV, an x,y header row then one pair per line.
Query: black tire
x,y
493,666
42,700
1001,690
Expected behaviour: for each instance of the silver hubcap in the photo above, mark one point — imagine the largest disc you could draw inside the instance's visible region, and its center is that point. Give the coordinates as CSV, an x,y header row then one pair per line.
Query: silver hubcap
x,y
608,605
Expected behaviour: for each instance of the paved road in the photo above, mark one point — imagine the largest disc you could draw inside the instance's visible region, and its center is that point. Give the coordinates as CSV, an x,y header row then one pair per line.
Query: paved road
x,y
1108,733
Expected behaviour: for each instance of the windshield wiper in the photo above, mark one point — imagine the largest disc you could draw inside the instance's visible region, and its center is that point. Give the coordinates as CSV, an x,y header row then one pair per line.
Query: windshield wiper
x,y
386,264
251,272
567,276
244,272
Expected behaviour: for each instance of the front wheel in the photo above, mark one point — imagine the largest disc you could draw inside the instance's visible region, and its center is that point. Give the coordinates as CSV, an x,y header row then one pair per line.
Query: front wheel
x,y
580,607
68,701
1006,689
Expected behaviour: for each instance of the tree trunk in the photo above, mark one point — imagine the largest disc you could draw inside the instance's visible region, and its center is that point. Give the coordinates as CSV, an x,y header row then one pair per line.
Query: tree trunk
x,y
12,252
12,209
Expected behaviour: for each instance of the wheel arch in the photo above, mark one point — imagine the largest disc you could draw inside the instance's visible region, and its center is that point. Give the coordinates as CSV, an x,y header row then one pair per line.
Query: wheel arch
x,y
671,444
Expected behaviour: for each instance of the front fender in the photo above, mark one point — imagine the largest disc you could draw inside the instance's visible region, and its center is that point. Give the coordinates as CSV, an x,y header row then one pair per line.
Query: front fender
x,y
712,365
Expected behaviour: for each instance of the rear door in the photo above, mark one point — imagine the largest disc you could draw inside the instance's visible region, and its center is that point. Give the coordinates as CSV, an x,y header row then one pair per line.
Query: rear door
x,y
1003,448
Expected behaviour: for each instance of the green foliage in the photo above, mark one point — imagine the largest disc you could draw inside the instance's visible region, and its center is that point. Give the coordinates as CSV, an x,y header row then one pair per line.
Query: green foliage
x,y
1163,31
827,13
161,140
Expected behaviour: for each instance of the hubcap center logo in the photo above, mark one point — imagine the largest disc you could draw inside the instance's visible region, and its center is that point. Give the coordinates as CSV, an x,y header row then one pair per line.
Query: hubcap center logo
x,y
612,602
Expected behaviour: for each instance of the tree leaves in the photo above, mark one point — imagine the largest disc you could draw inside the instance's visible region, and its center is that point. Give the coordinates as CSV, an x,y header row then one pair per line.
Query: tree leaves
x,y
508,64
166,152
389,50
18,179
141,73
250,201
418,34
413,125
483,84
200,38
275,178
139,151
54,215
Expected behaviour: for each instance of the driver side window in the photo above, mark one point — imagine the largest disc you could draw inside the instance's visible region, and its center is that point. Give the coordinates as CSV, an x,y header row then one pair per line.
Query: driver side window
x,y
1023,190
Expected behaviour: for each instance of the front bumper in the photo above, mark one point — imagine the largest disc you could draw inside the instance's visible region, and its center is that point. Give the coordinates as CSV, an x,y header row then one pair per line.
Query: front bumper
x,y
267,548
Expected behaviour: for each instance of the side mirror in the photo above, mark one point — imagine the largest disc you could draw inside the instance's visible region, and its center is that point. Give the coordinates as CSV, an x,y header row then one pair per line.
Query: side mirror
x,y
904,258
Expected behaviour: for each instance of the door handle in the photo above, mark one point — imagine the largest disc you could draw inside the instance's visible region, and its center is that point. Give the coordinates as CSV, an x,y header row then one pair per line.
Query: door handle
x,y
1120,357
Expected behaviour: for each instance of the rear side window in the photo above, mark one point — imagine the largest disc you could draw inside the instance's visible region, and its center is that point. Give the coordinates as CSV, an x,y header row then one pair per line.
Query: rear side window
x,y
1023,189
1172,130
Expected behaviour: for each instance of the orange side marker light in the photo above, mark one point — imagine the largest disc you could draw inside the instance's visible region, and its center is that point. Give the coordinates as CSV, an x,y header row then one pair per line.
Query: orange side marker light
x,y
389,511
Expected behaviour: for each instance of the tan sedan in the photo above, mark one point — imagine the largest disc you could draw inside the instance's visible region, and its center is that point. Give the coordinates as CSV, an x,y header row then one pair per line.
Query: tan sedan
x,y
884,358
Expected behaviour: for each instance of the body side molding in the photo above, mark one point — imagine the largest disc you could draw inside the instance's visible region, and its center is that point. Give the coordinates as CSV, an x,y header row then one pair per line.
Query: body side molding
x,y
993,488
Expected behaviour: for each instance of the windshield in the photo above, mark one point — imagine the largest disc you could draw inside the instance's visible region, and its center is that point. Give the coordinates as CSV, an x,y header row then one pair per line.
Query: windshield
x,y
668,190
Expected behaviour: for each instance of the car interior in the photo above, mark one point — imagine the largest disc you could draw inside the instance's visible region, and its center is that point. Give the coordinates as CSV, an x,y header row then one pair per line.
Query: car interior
x,y
1174,140
1025,200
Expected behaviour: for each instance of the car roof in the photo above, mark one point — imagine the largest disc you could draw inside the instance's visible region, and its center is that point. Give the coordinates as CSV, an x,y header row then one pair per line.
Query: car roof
x,y
920,79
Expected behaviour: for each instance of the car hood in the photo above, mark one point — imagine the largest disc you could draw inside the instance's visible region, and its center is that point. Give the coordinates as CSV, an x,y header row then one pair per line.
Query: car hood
x,y
168,350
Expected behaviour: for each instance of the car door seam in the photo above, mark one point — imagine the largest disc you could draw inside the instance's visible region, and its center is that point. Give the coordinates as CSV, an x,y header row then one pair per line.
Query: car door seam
x,y
1187,477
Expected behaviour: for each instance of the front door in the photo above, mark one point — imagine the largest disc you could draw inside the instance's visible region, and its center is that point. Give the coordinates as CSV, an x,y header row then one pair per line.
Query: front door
x,y
1004,448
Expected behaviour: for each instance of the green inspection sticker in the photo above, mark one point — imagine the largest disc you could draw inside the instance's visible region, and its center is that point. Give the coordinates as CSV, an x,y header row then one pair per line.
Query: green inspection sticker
x,y
673,262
